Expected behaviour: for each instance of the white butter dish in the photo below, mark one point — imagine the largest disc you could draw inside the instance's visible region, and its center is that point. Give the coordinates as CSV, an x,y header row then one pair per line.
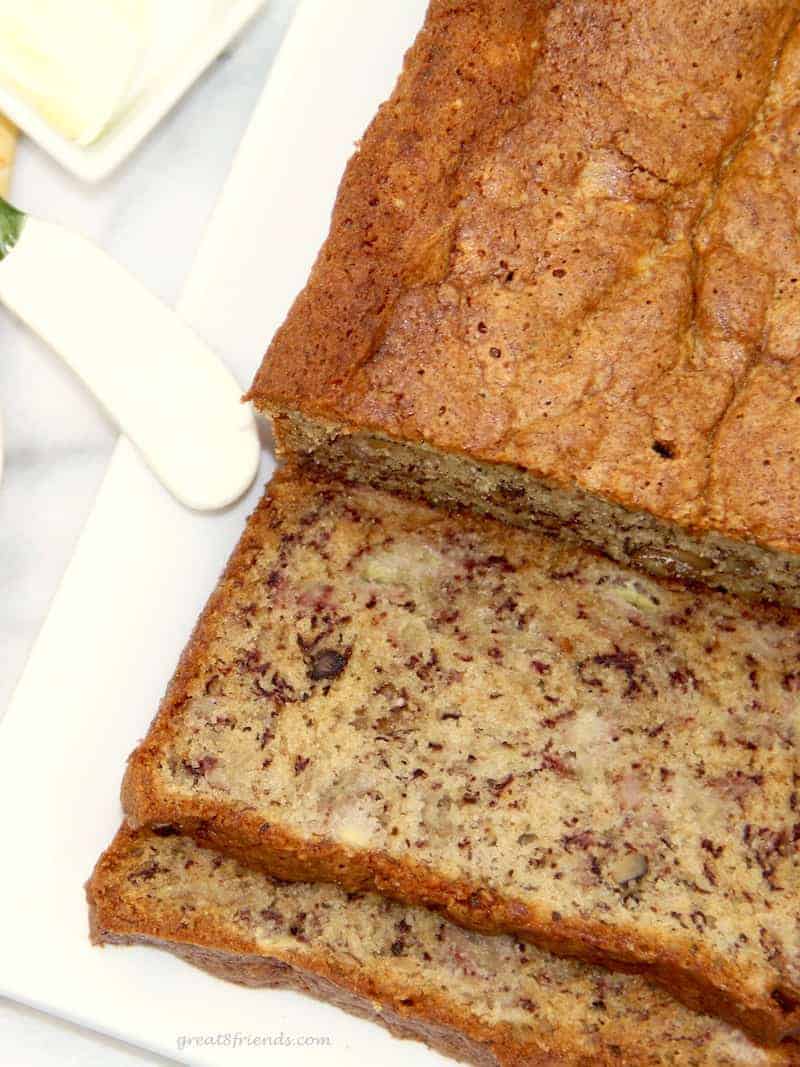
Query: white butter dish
x,y
167,72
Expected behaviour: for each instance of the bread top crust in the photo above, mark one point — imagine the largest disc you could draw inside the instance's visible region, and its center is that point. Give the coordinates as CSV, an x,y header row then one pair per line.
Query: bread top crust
x,y
523,1005
567,242
611,758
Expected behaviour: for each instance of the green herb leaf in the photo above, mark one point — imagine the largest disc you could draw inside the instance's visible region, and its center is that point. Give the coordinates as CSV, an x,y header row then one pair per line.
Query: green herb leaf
x,y
11,223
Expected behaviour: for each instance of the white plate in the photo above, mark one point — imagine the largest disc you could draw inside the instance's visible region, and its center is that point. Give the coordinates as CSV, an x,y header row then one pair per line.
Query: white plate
x,y
139,577
96,161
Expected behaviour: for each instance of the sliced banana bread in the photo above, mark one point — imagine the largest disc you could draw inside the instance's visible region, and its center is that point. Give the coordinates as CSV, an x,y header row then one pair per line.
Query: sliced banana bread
x,y
484,1000
464,715
561,284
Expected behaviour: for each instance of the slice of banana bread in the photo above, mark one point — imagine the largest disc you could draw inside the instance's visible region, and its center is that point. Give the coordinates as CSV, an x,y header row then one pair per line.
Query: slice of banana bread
x,y
484,1000
561,284
463,715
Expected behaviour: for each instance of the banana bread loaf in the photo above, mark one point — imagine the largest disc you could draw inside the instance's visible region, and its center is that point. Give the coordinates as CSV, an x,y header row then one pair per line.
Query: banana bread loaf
x,y
519,733
561,284
490,1001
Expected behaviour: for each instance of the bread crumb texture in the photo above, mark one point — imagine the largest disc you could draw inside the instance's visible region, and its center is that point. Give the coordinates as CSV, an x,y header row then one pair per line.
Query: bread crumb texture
x,y
524,735
514,1004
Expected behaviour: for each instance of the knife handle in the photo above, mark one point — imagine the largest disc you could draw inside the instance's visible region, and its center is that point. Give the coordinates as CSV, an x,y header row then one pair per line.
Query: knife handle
x,y
164,387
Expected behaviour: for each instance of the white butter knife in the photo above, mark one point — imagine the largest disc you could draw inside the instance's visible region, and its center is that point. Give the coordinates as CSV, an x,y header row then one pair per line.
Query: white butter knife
x,y
165,389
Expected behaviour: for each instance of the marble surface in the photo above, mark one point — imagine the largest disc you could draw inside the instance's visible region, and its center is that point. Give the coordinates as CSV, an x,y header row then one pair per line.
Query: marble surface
x,y
150,215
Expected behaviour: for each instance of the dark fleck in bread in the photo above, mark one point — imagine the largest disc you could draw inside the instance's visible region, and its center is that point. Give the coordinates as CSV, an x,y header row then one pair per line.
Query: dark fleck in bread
x,y
520,734
561,284
484,1000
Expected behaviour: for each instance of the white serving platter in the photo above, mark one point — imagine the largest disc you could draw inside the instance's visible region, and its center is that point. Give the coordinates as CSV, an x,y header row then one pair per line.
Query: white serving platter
x,y
141,572
96,161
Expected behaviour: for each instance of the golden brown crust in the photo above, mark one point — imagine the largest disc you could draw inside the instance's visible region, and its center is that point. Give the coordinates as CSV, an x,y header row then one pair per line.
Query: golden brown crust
x,y
565,245
712,982
151,904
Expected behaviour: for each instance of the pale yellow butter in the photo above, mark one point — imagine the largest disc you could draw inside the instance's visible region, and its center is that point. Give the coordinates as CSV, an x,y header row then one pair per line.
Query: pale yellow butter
x,y
81,63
